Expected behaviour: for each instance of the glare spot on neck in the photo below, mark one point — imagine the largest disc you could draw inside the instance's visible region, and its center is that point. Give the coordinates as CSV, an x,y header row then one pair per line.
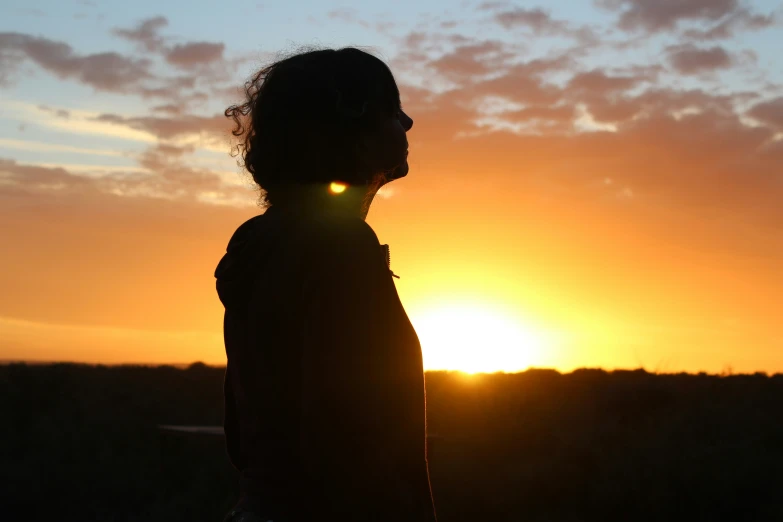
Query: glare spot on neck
x,y
337,188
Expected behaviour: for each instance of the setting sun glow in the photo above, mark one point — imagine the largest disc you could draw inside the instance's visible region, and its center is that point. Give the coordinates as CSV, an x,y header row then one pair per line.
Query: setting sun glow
x,y
579,191
476,339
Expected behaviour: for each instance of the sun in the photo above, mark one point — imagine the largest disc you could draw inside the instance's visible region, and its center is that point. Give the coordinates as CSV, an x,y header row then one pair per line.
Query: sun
x,y
476,339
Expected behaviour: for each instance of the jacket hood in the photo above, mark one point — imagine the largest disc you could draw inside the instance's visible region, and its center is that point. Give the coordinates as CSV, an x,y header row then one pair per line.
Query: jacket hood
x,y
235,270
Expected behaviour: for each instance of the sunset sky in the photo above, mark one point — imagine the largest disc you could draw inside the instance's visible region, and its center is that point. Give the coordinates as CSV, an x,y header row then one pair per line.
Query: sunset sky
x,y
596,183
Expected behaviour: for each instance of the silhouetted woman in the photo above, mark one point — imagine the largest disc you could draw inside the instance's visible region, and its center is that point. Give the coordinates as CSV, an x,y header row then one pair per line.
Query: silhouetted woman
x,y
324,389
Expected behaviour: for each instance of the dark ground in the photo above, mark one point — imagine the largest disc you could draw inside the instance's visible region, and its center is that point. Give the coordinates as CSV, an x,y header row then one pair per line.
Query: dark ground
x,y
81,443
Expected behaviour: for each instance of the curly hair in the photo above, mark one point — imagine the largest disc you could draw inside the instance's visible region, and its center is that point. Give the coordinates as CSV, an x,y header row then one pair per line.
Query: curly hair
x,y
303,115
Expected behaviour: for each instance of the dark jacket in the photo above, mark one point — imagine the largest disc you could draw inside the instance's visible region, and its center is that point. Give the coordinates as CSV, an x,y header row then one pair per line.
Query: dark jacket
x,y
324,387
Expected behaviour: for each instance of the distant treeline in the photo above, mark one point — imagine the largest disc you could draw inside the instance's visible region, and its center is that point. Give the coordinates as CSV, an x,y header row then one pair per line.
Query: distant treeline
x,y
81,442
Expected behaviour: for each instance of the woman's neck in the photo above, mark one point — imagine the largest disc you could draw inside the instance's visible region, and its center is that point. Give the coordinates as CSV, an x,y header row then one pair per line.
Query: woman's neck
x,y
317,200
322,199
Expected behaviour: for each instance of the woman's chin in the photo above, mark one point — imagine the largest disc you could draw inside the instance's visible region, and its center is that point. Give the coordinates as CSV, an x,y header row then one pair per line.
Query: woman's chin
x,y
400,171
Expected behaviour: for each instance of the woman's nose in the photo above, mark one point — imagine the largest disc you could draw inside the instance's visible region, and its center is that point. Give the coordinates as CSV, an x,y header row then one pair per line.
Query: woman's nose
x,y
407,121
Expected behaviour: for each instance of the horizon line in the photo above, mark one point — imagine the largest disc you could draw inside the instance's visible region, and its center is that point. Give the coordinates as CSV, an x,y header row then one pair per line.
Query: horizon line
x,y
729,373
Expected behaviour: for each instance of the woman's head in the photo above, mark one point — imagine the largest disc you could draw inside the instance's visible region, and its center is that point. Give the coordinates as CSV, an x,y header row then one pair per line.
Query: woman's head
x,y
318,117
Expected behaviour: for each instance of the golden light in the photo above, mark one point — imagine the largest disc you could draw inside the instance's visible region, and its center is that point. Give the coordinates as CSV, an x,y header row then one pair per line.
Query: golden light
x,y
337,187
475,338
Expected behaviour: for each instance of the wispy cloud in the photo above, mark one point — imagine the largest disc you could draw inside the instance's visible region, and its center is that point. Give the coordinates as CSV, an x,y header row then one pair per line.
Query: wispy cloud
x,y
108,71
689,59
39,146
145,33
158,176
727,16
194,54
541,23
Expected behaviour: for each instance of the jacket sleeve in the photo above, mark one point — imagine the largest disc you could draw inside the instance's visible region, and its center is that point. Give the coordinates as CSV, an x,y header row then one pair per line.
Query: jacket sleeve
x,y
348,390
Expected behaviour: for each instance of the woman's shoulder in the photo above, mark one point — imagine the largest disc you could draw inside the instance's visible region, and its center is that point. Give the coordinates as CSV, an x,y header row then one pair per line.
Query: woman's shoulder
x,y
343,244
328,227
320,230
347,232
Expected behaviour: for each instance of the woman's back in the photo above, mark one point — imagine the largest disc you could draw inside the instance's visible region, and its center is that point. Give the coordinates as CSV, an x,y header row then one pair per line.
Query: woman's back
x,y
325,407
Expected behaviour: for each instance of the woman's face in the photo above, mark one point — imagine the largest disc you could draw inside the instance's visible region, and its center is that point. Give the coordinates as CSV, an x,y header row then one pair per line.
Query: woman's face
x,y
387,147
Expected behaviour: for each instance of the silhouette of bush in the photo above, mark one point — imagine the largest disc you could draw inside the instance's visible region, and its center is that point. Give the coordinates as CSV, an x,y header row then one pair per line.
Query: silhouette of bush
x,y
81,442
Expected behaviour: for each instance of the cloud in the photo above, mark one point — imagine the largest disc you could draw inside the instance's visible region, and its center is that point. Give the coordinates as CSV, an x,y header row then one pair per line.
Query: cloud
x,y
541,23
541,120
108,71
473,60
707,19
656,15
38,146
15,177
769,112
352,16
167,128
60,113
163,175
604,98
79,122
168,108
146,33
598,81
524,83
347,15
741,20
703,159
9,62
463,60
488,83
493,5
203,63
551,94
688,59
163,154
194,54
538,20
612,98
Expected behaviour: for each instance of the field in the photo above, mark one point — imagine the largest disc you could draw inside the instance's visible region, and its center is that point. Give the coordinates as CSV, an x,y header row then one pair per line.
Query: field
x,y
81,443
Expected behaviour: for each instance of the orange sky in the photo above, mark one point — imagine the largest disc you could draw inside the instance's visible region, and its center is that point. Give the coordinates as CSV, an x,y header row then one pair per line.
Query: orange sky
x,y
614,219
